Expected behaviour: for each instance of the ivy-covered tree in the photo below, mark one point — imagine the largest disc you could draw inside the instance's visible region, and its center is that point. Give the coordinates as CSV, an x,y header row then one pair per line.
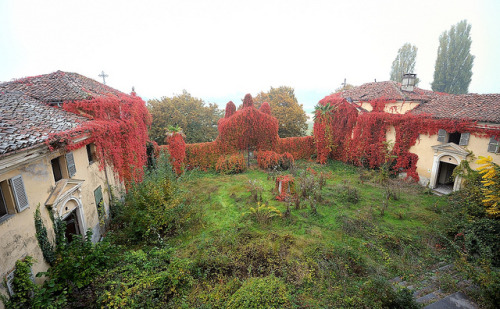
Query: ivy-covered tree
x,y
197,119
285,107
453,70
404,62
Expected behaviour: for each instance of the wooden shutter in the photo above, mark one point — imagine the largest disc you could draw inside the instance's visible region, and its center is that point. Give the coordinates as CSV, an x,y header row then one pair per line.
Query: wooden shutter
x,y
70,162
98,195
464,139
19,192
441,135
493,145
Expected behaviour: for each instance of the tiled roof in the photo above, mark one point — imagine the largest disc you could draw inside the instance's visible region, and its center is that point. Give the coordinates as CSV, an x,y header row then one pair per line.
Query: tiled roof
x,y
478,107
59,87
25,122
388,90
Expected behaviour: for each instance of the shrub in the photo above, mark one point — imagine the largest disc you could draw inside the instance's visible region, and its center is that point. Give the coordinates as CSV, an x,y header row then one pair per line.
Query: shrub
x,y
255,188
268,160
153,209
286,161
266,292
145,280
299,147
263,213
22,285
232,164
349,193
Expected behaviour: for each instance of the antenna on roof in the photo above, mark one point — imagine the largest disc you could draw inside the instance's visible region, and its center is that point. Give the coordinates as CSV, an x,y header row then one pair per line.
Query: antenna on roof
x,y
103,75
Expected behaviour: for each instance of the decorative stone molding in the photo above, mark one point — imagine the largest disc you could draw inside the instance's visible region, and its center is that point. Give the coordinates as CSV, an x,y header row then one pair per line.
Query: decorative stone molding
x,y
456,154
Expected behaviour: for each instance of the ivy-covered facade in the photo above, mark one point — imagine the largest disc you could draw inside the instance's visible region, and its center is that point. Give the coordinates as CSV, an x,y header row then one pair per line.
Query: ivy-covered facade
x,y
67,144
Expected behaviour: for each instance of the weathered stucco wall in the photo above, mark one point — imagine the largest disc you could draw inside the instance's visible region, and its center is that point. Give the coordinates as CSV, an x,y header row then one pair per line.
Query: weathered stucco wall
x,y
17,233
478,146
398,107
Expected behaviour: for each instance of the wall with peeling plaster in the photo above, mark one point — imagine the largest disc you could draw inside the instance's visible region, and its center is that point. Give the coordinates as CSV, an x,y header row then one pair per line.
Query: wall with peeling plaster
x,y
17,233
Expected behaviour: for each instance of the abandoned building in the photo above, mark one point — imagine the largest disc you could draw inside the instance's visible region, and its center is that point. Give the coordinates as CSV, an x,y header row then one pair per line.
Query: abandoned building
x,y
71,184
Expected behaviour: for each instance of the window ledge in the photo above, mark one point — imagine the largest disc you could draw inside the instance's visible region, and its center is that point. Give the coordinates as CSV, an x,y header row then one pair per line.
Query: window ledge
x,y
5,218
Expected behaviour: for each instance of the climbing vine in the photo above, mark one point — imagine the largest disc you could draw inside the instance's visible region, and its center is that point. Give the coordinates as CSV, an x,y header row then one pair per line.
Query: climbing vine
x,y
177,149
345,132
43,239
118,128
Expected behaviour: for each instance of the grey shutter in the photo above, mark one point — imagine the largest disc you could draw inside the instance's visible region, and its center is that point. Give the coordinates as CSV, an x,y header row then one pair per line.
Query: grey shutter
x,y
17,185
10,282
98,195
493,145
70,162
464,139
441,135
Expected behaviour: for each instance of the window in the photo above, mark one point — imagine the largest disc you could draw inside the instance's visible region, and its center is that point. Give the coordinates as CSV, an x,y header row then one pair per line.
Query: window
x,y
13,197
91,153
58,166
3,206
9,279
99,202
458,138
56,169
494,145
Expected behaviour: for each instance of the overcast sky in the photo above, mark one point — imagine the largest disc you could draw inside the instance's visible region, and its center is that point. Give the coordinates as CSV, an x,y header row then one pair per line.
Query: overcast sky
x,y
219,50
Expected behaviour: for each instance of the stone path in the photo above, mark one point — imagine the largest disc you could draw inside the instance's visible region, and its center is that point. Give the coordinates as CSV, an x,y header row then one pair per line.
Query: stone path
x,y
432,290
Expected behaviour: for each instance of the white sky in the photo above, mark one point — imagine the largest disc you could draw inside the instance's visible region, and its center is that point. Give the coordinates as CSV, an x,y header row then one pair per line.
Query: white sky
x,y
219,50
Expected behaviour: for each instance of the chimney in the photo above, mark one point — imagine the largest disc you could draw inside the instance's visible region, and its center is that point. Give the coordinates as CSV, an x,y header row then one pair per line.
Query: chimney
x,y
408,82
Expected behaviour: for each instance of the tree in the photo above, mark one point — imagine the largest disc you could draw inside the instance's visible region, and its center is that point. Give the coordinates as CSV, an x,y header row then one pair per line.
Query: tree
x,y
453,70
197,120
285,107
404,62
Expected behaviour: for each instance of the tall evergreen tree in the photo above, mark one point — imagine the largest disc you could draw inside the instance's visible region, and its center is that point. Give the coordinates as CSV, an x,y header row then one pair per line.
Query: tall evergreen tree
x,y
453,70
404,62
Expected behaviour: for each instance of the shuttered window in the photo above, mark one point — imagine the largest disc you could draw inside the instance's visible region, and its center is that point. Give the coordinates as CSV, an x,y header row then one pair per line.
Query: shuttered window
x,y
441,135
493,146
19,193
98,195
3,206
464,139
99,203
70,162
9,279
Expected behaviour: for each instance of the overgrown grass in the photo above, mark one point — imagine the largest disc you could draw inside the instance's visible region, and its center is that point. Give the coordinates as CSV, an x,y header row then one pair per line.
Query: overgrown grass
x,y
206,247
341,256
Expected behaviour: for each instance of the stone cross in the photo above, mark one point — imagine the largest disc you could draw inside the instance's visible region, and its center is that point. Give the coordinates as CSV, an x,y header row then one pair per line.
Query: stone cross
x,y
103,75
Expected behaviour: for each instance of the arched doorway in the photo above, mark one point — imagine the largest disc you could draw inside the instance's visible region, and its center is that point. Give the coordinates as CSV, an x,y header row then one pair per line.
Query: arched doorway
x,y
72,214
446,158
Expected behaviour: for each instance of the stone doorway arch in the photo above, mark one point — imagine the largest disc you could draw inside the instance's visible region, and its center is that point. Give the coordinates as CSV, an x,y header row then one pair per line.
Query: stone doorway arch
x,y
446,156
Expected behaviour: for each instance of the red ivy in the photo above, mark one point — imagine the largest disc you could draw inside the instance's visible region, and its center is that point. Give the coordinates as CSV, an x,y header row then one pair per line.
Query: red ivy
x,y
230,109
118,129
287,188
177,149
345,132
231,164
247,129
265,108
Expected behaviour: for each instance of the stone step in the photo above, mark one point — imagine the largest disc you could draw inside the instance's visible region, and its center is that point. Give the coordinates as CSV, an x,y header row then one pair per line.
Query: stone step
x,y
453,301
428,298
